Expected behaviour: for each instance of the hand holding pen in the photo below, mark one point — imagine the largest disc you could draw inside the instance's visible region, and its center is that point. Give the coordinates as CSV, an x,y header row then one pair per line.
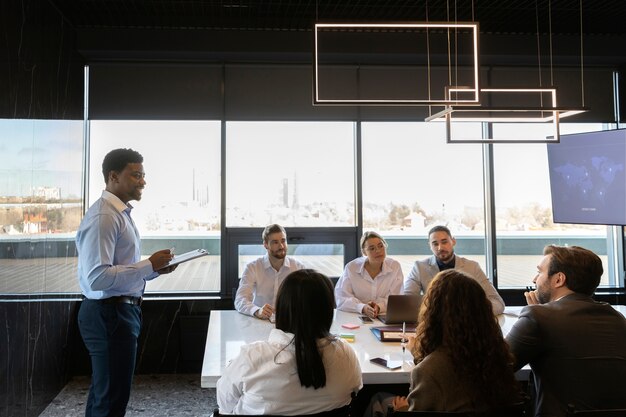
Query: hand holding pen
x,y
160,260
531,296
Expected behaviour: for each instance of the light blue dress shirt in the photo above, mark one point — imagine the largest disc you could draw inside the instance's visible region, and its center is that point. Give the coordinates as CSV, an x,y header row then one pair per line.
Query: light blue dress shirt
x,y
109,251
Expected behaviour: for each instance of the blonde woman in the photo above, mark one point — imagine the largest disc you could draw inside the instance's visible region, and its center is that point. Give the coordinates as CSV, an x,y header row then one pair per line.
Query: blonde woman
x,y
366,282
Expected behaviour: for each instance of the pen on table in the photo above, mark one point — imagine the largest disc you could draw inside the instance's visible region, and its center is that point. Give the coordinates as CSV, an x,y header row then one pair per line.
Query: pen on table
x,y
403,336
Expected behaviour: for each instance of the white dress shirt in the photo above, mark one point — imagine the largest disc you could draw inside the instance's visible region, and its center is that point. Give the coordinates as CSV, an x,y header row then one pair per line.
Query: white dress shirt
x,y
356,287
259,283
263,379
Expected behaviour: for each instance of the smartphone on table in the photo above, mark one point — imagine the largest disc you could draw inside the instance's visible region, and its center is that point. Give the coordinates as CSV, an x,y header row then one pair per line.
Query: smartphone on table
x,y
365,319
391,365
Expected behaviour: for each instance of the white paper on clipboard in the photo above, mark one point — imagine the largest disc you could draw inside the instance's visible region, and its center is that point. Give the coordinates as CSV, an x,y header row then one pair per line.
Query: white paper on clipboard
x,y
187,256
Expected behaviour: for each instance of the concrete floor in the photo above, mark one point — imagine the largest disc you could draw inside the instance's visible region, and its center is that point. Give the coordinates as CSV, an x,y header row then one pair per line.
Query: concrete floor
x,y
152,396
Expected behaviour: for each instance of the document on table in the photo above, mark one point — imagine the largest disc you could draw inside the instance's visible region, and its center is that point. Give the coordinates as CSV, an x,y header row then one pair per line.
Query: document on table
x,y
187,256
513,311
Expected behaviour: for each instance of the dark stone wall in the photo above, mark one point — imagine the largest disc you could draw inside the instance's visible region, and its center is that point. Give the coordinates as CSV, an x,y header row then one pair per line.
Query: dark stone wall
x,y
41,347
41,73
37,341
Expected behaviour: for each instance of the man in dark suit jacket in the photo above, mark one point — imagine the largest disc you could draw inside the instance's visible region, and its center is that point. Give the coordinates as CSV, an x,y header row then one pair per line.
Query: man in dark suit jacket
x,y
575,346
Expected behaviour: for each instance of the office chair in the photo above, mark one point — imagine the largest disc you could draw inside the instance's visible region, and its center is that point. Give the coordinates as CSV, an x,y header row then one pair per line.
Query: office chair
x,y
615,412
501,413
515,410
344,411
431,414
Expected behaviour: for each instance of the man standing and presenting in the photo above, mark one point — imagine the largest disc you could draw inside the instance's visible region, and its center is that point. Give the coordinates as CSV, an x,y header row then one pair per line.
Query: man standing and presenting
x,y
256,295
112,278
442,246
575,346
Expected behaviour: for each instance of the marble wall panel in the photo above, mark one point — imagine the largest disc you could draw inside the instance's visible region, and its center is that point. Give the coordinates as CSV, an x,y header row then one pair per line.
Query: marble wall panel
x,y
41,348
41,73
37,343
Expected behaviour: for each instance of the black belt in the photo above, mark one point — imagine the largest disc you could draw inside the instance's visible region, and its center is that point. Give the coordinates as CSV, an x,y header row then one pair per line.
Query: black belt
x,y
121,299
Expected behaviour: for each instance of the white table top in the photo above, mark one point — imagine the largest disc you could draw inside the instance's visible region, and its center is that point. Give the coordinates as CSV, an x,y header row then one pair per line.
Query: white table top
x,y
229,330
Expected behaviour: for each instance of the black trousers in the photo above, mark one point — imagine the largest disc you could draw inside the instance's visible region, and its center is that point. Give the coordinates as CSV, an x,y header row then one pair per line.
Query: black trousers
x,y
110,333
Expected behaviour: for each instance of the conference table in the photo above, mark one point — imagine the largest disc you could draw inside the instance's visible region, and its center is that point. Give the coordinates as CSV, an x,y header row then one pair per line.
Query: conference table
x,y
229,330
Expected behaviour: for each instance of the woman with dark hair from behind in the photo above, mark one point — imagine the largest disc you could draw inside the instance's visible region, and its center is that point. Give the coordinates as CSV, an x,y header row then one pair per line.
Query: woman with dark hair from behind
x,y
462,361
301,368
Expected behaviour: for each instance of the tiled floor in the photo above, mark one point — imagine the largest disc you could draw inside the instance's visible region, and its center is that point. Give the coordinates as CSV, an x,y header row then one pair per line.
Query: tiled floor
x,y
152,396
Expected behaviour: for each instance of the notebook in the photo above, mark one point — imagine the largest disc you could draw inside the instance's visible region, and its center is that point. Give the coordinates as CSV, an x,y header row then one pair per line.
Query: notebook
x,y
393,333
401,309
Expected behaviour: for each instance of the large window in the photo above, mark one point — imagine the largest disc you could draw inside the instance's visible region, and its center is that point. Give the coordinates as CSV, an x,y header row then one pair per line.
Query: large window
x,y
292,173
223,159
413,180
524,210
180,206
40,204
300,175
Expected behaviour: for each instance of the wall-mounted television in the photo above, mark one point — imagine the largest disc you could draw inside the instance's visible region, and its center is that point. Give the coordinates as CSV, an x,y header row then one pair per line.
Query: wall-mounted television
x,y
588,178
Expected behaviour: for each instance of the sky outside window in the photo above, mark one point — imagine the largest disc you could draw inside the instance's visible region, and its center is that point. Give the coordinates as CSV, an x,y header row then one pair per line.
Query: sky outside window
x,y
292,173
182,165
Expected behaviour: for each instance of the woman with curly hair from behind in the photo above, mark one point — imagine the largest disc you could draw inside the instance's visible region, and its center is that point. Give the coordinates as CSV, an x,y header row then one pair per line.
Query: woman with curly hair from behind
x,y
462,361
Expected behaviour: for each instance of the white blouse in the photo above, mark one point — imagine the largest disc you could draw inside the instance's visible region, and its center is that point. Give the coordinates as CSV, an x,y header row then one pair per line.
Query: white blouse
x,y
356,288
263,379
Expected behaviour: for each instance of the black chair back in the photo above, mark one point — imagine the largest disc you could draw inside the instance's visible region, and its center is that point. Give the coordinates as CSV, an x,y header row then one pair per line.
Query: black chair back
x,y
515,410
616,412
344,411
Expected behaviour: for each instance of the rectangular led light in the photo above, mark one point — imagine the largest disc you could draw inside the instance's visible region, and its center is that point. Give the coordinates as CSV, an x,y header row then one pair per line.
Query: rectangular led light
x,y
541,107
327,95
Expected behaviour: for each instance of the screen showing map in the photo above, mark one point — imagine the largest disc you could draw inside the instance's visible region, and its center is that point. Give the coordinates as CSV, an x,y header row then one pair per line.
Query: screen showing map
x,y
588,179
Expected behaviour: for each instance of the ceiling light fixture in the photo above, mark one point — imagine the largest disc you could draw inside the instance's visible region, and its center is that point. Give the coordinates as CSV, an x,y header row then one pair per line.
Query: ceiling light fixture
x,y
530,110
472,28
486,113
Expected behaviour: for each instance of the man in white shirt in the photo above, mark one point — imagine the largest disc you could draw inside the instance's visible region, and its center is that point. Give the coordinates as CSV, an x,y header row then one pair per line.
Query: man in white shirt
x,y
256,295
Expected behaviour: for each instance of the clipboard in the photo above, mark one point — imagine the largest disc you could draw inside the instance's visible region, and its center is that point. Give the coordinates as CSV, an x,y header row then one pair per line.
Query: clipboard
x,y
187,256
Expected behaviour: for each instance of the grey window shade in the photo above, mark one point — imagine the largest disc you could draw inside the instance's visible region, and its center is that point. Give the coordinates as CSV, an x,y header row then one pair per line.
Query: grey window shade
x,y
155,92
597,82
276,92
284,92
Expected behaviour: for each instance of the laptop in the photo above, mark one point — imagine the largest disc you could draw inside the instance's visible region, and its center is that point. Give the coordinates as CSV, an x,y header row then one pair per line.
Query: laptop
x,y
401,309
